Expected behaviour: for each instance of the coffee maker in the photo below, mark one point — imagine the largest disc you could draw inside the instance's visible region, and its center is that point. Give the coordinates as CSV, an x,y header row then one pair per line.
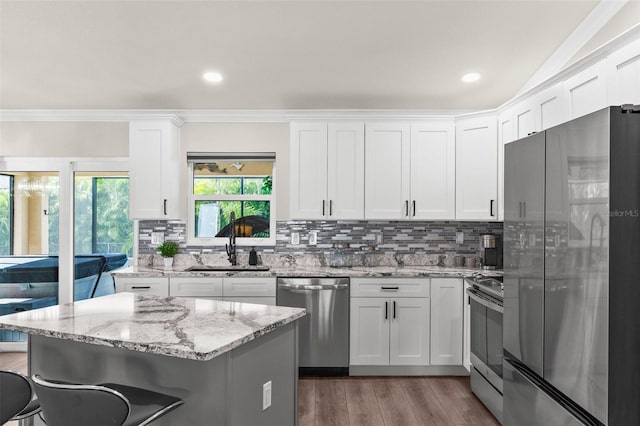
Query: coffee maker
x,y
491,251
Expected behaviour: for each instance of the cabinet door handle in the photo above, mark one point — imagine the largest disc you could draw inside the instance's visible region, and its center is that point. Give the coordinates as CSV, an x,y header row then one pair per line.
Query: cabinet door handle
x,y
389,288
394,308
491,209
386,310
323,207
414,208
165,206
140,287
330,207
406,207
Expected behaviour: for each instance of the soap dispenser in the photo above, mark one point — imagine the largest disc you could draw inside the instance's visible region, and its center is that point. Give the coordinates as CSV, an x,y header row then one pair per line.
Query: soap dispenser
x,y
253,256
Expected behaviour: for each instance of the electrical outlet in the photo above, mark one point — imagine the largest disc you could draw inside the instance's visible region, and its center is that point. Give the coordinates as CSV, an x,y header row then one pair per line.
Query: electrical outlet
x,y
295,238
379,238
266,395
157,237
313,238
460,237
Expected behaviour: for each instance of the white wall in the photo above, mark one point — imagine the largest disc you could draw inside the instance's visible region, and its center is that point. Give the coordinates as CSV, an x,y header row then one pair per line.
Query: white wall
x,y
245,137
64,139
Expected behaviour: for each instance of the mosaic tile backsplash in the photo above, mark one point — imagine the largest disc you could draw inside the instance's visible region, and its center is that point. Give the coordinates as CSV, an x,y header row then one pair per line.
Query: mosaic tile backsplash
x,y
343,243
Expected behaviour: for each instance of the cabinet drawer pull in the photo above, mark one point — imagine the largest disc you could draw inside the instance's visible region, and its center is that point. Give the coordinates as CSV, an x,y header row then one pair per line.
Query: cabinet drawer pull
x,y
140,287
386,310
390,288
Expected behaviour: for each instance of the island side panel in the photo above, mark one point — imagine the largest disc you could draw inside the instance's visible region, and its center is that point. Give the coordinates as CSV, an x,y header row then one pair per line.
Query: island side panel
x,y
274,357
226,390
201,384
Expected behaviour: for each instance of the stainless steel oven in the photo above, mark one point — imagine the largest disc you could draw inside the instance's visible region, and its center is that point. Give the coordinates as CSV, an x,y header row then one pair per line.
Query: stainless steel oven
x,y
486,303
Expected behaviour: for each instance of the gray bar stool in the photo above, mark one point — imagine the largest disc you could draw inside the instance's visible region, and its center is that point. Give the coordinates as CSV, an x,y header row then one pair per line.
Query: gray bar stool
x,y
17,397
107,404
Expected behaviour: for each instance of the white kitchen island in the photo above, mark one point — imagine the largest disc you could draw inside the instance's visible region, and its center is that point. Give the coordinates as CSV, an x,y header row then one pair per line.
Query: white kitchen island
x,y
215,355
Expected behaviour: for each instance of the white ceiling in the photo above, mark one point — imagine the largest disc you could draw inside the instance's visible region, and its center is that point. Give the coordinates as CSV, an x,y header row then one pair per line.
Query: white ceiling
x,y
275,54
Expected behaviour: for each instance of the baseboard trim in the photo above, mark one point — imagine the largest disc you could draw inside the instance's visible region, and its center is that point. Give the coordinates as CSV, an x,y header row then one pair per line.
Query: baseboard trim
x,y
408,370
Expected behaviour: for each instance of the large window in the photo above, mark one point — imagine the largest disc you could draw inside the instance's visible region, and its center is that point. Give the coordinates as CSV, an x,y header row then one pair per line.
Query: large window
x,y
6,215
238,185
102,223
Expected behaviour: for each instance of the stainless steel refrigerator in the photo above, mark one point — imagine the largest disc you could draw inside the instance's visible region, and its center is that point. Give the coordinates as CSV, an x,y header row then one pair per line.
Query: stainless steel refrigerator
x,y
572,273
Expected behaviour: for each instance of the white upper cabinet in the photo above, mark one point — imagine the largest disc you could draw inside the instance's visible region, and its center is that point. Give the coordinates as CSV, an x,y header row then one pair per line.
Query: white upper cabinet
x,y
549,111
410,170
345,186
308,170
586,91
524,118
387,171
477,168
505,135
156,187
327,170
433,174
623,75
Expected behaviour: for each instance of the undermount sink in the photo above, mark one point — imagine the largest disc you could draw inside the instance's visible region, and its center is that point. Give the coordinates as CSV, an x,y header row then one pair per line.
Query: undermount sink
x,y
205,268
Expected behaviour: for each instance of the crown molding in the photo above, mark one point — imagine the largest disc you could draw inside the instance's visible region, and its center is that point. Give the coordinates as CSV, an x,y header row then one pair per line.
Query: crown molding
x,y
92,115
178,117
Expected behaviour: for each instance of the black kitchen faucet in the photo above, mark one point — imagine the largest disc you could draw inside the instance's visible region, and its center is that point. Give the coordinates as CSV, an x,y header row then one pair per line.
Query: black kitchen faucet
x,y
231,247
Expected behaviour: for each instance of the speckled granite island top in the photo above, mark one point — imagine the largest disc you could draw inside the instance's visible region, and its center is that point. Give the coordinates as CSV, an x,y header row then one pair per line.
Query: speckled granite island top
x,y
311,271
198,329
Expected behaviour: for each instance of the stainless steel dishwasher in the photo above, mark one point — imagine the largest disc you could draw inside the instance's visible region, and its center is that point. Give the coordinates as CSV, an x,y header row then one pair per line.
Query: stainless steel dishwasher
x,y
323,334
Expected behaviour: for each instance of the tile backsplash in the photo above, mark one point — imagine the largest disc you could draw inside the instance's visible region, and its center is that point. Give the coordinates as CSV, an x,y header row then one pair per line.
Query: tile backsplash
x,y
388,237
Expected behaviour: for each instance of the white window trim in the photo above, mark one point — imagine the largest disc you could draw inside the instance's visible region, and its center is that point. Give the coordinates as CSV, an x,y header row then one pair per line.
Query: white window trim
x,y
240,242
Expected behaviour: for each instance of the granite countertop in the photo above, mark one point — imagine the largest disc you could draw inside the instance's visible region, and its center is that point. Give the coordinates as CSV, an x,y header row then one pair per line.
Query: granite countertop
x,y
310,271
198,329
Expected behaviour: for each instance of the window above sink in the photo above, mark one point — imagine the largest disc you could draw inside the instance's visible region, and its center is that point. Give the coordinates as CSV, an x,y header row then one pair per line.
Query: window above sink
x,y
221,183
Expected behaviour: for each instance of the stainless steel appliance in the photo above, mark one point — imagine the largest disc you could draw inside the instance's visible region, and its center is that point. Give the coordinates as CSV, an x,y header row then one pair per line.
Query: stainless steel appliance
x,y
491,251
485,300
572,244
323,333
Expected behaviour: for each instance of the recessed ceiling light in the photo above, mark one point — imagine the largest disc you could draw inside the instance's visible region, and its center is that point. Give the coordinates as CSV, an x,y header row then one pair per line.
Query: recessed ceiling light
x,y
212,77
471,77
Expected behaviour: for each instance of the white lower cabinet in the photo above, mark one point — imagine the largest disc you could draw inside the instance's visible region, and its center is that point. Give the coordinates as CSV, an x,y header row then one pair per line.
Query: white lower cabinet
x,y
196,287
248,287
236,289
447,298
369,331
157,286
391,327
409,333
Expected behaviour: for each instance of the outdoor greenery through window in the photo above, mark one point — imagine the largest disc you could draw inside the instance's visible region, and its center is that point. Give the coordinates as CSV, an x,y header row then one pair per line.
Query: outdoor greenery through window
x,y
102,222
243,186
6,215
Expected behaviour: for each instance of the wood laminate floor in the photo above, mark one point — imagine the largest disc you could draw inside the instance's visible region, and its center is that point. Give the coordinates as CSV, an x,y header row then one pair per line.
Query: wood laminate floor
x,y
369,401
402,401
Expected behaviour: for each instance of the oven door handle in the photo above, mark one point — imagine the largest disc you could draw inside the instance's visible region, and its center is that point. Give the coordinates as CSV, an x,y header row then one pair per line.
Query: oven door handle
x,y
484,302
